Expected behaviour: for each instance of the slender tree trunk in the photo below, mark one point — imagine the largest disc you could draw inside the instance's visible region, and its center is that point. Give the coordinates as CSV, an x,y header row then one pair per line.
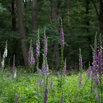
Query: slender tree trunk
x,y
22,33
34,18
13,15
68,16
56,46
87,18
89,37
26,19
52,10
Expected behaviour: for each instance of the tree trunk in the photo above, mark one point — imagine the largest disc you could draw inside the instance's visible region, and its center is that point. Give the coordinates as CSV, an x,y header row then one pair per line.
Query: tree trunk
x,y
13,15
101,19
56,47
34,18
26,19
87,18
22,33
68,16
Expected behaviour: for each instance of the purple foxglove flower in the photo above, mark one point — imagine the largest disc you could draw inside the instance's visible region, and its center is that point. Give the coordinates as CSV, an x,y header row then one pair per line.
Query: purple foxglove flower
x,y
89,73
46,95
96,97
16,99
47,69
43,69
80,81
39,82
80,63
62,38
51,84
13,68
44,39
45,50
31,58
39,70
38,48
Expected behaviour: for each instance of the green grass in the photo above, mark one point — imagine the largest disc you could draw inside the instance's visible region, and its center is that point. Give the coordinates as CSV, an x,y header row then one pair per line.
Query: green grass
x,y
25,87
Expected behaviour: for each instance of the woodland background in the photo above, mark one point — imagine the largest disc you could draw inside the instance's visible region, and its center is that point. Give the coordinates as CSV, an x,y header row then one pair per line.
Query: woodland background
x,y
20,20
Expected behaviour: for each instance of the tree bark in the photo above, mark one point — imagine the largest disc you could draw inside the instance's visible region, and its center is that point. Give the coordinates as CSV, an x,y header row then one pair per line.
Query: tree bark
x,y
26,19
34,18
22,33
56,46
68,16
13,15
87,18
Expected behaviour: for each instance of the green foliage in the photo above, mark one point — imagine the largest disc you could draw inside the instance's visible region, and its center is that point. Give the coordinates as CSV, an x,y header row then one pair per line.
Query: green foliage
x,y
1,8
25,87
77,26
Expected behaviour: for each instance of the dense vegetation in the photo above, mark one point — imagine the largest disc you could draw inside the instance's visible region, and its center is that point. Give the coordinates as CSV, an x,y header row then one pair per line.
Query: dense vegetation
x,y
46,40
79,19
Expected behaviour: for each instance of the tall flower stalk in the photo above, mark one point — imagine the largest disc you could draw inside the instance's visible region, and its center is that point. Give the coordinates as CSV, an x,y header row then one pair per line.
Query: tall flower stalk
x,y
63,65
38,52
4,56
3,59
45,69
97,67
45,44
14,71
31,58
80,66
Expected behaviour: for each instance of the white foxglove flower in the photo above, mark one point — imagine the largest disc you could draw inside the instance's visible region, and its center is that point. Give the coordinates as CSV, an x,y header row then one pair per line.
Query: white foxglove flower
x,y
15,74
5,53
2,63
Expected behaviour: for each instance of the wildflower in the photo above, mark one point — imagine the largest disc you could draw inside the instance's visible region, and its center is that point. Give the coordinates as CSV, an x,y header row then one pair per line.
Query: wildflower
x,y
16,99
31,58
32,84
38,48
62,38
46,95
96,97
45,50
4,55
47,69
2,63
80,81
89,73
51,84
44,41
13,69
39,83
80,63
64,69
5,51
72,92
